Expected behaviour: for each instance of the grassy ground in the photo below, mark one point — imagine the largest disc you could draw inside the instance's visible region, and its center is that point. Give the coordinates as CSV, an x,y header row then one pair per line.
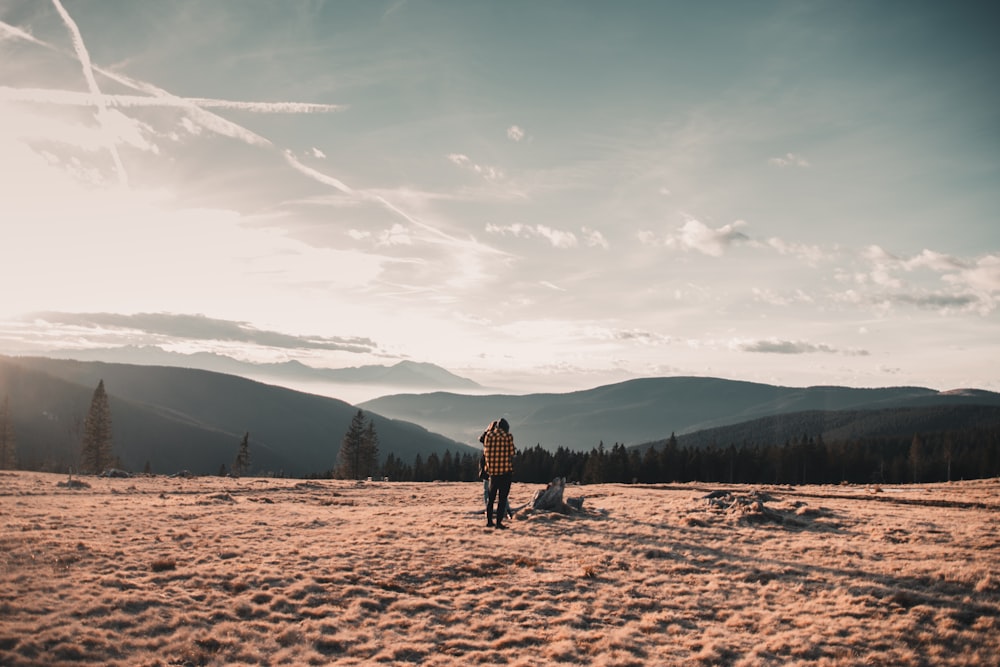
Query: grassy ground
x,y
214,571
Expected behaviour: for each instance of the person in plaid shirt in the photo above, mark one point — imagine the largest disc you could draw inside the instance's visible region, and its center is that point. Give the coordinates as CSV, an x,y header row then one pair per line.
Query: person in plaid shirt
x,y
498,449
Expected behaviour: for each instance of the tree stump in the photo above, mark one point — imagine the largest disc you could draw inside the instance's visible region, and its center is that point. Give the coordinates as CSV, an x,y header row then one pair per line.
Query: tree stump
x,y
551,499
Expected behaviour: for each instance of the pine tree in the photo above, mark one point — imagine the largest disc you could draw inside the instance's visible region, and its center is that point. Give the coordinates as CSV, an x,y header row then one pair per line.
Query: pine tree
x,y
242,462
349,459
96,447
8,445
369,451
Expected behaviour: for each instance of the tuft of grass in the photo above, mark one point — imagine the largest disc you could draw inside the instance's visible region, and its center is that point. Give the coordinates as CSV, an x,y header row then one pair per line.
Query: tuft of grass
x,y
526,561
163,564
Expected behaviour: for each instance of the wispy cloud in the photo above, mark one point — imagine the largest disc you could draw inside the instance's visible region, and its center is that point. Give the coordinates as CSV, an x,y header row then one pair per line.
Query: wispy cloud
x,y
778,346
486,171
557,237
640,336
811,254
394,236
594,238
202,328
781,299
789,160
970,285
515,133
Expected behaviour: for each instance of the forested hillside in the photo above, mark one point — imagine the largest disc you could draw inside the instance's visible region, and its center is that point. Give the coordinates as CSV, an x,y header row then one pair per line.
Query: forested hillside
x,y
883,446
887,446
646,409
172,419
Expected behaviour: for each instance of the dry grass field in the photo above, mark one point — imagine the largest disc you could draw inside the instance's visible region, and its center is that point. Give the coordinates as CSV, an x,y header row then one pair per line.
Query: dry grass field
x,y
214,571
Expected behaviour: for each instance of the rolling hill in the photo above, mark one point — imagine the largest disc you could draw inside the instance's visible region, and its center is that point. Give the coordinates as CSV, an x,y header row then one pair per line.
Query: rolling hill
x,y
645,410
844,425
178,418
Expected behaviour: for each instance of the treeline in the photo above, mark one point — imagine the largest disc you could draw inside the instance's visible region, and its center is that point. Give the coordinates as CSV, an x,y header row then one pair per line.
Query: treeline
x,y
921,458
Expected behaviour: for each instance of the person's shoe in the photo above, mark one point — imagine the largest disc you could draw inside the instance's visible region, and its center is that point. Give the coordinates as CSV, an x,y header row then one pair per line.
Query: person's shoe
x,y
500,526
489,524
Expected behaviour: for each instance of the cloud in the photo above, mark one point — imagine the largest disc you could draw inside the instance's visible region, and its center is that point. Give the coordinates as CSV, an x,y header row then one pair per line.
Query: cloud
x,y
777,346
809,253
789,160
488,172
317,153
395,235
202,328
983,275
974,284
558,238
934,261
933,301
775,299
640,336
515,133
696,235
592,238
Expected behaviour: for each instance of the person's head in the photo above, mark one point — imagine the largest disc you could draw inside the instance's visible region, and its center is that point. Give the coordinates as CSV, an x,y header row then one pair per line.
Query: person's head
x,y
503,425
491,427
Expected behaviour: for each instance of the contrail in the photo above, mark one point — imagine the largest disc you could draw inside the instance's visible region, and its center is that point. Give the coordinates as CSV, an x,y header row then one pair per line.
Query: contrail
x,y
197,107
336,183
316,175
88,74
159,97
75,98
14,31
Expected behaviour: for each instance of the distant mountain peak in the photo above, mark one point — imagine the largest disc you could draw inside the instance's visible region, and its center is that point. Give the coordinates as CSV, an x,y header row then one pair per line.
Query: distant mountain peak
x,y
404,374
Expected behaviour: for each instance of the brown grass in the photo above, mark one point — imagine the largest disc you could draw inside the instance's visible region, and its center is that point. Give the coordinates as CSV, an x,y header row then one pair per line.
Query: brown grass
x,y
210,571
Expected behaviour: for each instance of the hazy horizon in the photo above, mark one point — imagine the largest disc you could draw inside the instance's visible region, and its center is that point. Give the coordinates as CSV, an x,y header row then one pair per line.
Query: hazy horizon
x,y
538,197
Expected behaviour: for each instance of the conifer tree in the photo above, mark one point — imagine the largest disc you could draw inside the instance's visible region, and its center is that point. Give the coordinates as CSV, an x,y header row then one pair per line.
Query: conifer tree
x,y
349,459
242,462
8,451
96,447
369,451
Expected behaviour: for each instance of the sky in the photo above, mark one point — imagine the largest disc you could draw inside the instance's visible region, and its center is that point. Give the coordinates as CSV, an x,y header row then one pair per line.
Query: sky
x,y
540,196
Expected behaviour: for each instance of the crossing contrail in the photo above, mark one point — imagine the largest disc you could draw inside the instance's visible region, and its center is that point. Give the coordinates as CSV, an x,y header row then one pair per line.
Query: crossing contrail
x,y
76,98
95,91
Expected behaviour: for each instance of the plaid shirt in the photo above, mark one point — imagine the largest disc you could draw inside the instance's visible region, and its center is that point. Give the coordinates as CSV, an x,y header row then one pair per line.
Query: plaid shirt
x,y
498,447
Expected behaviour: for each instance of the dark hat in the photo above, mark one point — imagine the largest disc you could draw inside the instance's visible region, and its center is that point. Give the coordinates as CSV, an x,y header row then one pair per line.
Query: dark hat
x,y
504,426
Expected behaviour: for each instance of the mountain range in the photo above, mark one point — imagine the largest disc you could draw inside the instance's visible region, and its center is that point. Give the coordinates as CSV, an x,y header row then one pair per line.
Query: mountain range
x,y
407,375
647,409
182,418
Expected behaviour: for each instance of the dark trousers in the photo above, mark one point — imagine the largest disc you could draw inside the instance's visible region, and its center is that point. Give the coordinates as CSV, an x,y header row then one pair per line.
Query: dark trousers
x,y
499,486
